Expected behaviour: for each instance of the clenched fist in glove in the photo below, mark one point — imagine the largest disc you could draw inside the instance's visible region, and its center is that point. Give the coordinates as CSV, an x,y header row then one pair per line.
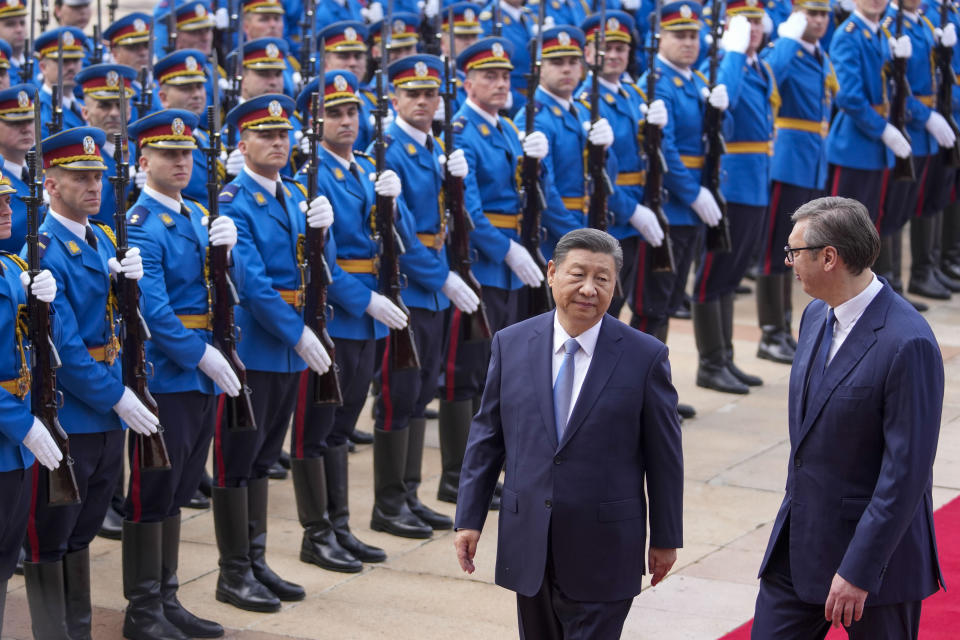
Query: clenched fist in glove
x,y
215,365
44,285
901,47
645,221
311,350
460,294
42,446
131,266
319,213
535,145
655,113
947,37
522,263
600,134
707,208
380,308
736,37
135,414
234,163
456,164
388,184
718,97
895,141
223,233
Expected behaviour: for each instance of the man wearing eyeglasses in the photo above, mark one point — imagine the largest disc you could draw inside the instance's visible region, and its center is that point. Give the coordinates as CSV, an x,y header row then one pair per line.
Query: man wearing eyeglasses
x,y
867,380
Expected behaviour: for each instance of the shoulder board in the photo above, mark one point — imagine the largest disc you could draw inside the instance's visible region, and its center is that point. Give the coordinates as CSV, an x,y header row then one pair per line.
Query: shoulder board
x,y
72,247
439,142
198,204
585,102
289,180
701,76
485,15
294,63
363,154
221,71
850,28
459,124
42,242
677,80
228,192
15,259
639,91
387,140
137,215
887,22
537,106
369,95
106,230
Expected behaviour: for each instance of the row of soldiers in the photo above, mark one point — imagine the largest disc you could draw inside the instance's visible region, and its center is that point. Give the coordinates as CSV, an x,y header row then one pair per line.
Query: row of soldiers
x,y
291,181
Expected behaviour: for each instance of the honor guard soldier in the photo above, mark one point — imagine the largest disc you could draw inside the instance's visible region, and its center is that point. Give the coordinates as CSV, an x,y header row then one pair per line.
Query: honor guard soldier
x,y
266,210
492,147
807,84
418,160
326,13
688,204
17,135
5,53
73,13
466,31
129,39
345,49
264,19
745,184
46,46
13,30
96,405
403,39
566,124
23,438
360,316
517,26
101,109
195,22
188,372
569,12
182,85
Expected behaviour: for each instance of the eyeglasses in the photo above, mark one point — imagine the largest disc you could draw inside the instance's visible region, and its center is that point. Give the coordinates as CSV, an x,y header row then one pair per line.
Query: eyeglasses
x,y
790,251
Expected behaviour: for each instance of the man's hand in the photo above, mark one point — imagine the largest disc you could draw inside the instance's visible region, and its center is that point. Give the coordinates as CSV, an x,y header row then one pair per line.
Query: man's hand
x,y
466,545
660,561
844,603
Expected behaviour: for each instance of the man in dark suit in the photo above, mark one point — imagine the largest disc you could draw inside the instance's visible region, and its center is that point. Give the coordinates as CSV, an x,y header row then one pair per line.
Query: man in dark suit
x,y
580,410
853,543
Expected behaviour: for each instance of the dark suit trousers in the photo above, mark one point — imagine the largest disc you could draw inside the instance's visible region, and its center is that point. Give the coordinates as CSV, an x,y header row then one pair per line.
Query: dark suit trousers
x,y
551,615
781,615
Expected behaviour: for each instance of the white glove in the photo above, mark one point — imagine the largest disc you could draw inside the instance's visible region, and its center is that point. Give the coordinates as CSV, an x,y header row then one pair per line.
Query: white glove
x,y
940,129
706,208
372,13
656,113
387,119
895,141
221,19
441,113
535,145
431,8
901,47
297,80
508,105
645,221
135,414
947,37
215,365
460,293
223,233
388,184
848,5
600,134
319,213
44,285
794,26
140,178
630,5
718,97
456,164
131,266
304,142
234,164
766,23
521,263
311,350
224,84
380,308
42,446
736,37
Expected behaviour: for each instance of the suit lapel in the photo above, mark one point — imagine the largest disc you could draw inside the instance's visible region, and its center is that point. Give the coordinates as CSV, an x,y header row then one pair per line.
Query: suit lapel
x,y
540,357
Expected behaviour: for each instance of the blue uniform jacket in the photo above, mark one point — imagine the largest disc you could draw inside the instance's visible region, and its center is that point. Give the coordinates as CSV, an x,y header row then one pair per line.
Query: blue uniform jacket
x,y
682,141
266,254
422,175
71,117
491,186
931,9
15,416
196,189
18,219
173,248
921,72
107,199
807,88
90,388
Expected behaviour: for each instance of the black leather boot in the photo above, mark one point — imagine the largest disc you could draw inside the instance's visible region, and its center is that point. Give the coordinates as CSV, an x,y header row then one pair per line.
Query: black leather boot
x,y
257,498
3,603
76,589
182,619
455,418
411,477
712,372
770,315
319,546
46,599
338,507
787,283
112,524
360,437
142,552
236,584
923,280
390,511
726,315
950,241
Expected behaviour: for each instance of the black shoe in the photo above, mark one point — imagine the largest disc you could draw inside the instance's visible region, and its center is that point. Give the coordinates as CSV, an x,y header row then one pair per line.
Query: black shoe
x,y
928,286
257,496
411,478
284,459
198,501
319,545
774,347
713,371
338,507
951,270
277,472
191,625
21,556
431,414
686,411
206,484
390,511
112,524
950,283
744,377
743,290
351,448
719,379
360,437
76,587
681,313
143,618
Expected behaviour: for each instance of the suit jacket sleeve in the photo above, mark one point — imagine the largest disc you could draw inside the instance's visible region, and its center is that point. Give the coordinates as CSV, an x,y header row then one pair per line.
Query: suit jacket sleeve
x,y
911,426
663,456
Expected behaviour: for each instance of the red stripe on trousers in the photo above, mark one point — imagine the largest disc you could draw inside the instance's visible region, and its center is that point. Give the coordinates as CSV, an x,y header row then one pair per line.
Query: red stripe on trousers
x,y
774,207
300,413
135,481
836,181
218,442
385,386
921,194
452,354
707,263
883,197
32,522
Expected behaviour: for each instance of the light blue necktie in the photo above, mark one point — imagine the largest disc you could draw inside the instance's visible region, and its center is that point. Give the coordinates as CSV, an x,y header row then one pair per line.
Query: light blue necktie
x,y
563,387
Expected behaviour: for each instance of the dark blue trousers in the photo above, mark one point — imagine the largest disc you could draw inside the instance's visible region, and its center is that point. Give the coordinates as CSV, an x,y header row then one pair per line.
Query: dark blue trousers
x,y
784,200
16,487
657,294
864,185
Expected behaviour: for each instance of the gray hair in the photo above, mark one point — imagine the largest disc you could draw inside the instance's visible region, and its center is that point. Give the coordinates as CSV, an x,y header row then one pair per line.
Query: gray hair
x,y
842,223
592,240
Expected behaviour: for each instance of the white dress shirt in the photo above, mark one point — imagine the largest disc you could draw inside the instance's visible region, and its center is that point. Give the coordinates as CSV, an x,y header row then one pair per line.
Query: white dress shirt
x,y
849,313
75,228
167,201
419,136
270,186
581,359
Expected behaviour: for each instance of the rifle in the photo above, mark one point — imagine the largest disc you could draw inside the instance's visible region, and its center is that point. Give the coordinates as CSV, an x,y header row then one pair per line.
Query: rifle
x,y
313,264
171,45
26,71
403,348
151,449
718,237
44,360
97,56
947,80
232,95
112,7
44,17
902,167
221,293
460,223
534,202
306,41
662,256
56,93
497,19
599,181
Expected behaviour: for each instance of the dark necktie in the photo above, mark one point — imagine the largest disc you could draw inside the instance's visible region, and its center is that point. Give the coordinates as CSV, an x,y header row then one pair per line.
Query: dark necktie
x,y
818,55
76,110
563,387
280,198
429,144
25,174
90,237
819,365
184,211
355,170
